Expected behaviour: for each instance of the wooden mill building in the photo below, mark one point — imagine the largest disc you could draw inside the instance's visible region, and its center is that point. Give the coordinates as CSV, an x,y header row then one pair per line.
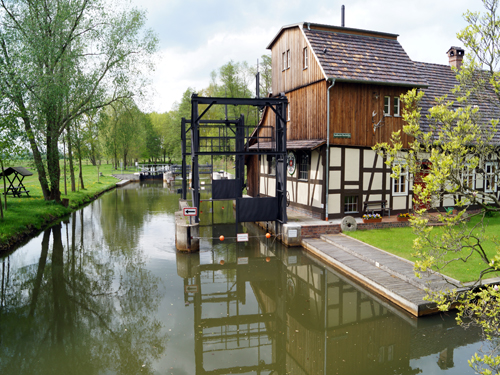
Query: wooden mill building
x,y
343,87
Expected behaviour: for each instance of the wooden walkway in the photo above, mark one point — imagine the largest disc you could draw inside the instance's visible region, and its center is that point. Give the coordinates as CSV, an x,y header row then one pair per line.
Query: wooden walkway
x,y
383,273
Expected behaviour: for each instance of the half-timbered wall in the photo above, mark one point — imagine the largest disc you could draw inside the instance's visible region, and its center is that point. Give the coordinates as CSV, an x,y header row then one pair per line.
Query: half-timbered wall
x,y
305,195
361,173
479,184
295,76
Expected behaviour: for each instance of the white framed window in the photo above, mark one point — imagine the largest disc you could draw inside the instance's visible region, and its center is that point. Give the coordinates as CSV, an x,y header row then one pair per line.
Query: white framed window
x,y
351,204
400,184
303,161
305,58
396,106
289,58
387,105
284,61
490,177
468,178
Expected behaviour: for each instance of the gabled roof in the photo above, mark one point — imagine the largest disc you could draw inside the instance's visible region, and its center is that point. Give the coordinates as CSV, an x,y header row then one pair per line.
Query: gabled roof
x,y
442,79
348,55
361,56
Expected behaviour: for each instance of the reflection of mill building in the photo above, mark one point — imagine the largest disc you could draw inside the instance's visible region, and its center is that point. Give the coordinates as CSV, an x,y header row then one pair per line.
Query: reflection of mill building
x,y
269,316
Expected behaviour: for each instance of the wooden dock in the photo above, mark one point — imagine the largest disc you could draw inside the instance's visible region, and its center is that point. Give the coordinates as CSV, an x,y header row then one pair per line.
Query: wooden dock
x,y
379,271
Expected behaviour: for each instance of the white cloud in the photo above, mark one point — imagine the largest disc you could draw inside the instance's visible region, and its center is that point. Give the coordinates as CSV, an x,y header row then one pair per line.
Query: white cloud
x,y
178,69
199,37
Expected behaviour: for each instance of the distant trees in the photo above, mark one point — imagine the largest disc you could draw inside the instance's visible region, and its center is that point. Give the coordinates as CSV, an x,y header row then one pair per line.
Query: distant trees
x,y
69,70
232,80
60,59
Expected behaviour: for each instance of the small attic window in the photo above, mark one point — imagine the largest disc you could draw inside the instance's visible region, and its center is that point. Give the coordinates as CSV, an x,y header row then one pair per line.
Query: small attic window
x,y
284,61
305,58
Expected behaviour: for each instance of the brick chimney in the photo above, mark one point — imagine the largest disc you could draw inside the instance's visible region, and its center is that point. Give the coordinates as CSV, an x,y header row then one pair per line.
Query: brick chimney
x,y
455,55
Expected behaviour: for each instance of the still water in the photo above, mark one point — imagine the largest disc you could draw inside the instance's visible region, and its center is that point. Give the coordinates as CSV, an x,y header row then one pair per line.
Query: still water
x,y
105,292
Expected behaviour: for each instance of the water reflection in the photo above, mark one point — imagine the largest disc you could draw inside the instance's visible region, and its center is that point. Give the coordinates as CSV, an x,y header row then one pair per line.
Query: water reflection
x,y
265,309
105,292
78,310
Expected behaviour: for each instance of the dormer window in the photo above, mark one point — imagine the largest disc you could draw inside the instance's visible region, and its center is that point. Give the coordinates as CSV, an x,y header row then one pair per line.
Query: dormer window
x,y
305,58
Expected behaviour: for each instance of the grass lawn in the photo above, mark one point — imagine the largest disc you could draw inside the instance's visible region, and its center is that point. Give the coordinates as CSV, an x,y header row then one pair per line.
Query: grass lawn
x,y
399,241
25,214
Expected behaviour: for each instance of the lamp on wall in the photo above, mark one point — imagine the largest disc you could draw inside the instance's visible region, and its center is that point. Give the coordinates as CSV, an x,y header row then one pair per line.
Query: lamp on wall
x,y
375,94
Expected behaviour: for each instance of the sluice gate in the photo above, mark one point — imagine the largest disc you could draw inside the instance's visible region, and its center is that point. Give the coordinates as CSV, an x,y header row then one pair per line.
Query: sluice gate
x,y
231,138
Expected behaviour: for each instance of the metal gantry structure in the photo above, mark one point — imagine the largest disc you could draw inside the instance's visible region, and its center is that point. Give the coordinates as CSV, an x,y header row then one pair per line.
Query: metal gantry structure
x,y
233,138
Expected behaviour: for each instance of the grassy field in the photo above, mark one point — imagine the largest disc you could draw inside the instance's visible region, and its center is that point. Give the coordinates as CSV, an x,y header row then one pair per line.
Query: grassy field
x,y
399,241
27,214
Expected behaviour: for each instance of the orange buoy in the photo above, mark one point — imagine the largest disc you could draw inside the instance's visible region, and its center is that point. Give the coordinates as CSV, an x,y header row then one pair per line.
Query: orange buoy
x,y
222,262
268,235
222,207
268,259
201,212
221,237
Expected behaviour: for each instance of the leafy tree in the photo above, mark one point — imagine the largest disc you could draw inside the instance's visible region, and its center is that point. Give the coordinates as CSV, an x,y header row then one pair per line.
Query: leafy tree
x,y
265,70
461,141
152,147
60,59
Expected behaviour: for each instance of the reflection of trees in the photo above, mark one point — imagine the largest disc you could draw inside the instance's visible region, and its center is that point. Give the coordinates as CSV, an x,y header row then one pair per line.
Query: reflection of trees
x,y
79,312
124,212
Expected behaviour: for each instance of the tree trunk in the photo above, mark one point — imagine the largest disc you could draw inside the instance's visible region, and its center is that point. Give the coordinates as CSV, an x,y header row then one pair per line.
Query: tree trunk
x,y
53,163
80,173
4,189
70,158
40,167
93,158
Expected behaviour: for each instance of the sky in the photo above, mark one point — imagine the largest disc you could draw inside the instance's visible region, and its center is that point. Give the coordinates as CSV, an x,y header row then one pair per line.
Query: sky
x,y
197,37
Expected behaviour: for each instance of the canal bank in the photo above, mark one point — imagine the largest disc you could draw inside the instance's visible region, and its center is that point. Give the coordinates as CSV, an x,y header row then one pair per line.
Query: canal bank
x,y
21,227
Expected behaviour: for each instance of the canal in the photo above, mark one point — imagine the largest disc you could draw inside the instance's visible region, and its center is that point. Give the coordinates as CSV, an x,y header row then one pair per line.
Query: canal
x,y
104,292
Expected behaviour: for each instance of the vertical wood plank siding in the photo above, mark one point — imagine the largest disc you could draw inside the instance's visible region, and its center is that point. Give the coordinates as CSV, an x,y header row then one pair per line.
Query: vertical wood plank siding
x,y
308,114
351,107
296,76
